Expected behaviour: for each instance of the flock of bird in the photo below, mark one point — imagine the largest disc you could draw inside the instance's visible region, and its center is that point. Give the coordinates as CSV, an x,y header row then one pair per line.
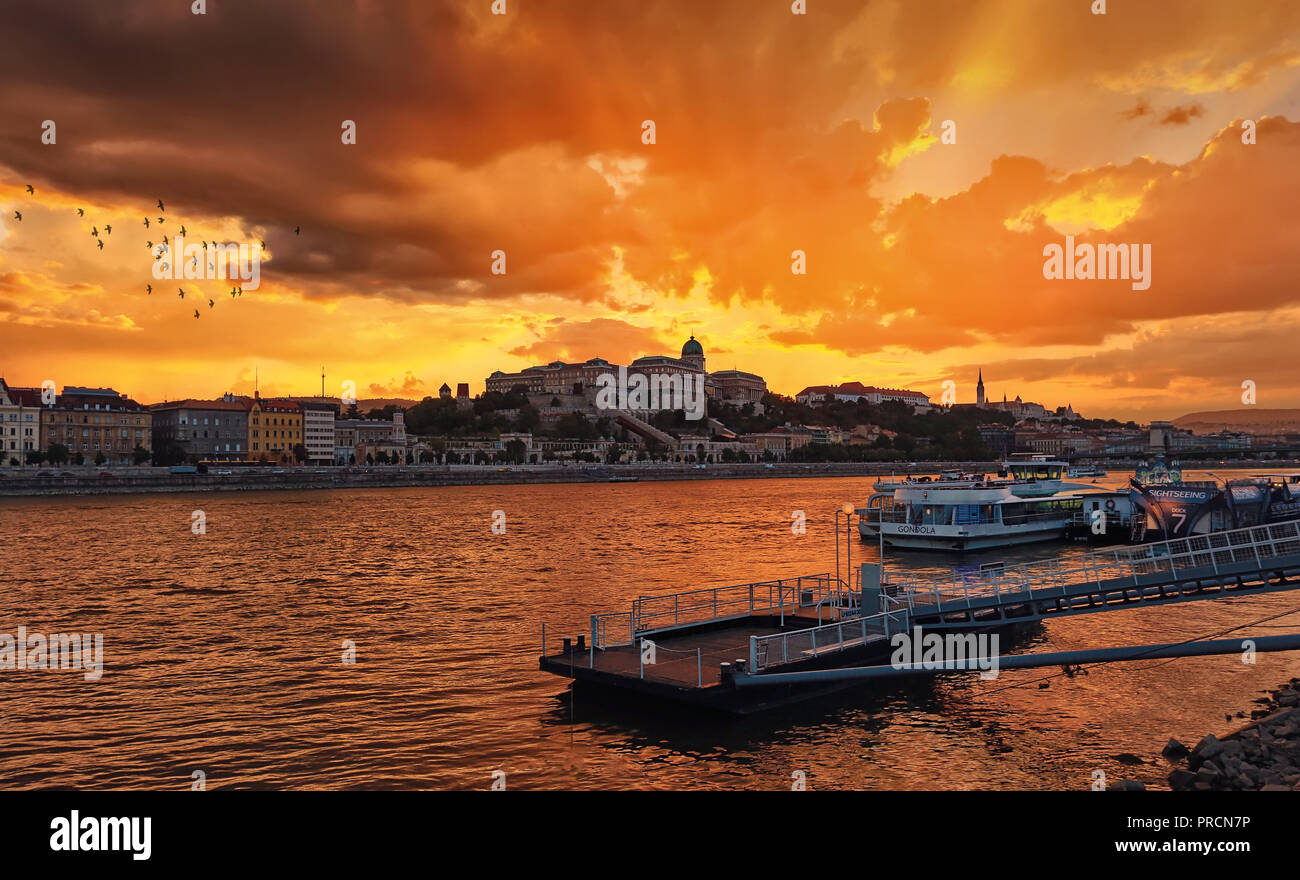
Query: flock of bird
x,y
158,250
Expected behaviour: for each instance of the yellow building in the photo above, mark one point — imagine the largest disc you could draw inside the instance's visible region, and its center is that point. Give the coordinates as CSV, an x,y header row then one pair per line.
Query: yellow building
x,y
274,429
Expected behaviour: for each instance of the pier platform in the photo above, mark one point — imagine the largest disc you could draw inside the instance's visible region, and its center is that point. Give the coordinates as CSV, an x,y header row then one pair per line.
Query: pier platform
x,y
714,647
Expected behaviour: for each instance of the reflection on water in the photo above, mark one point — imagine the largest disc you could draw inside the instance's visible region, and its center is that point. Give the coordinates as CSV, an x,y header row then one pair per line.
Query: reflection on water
x,y
223,651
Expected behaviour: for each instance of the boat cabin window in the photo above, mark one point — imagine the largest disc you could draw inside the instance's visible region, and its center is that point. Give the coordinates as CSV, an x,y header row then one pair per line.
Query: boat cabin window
x,y
1036,470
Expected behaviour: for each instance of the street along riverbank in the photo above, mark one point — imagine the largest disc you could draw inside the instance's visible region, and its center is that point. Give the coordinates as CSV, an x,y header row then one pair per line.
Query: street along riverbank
x,y
136,480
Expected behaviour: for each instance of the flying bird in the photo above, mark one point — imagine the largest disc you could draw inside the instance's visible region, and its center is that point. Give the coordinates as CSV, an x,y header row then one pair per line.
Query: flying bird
x,y
146,222
81,213
30,190
150,245
148,288
182,229
18,215
101,243
263,245
162,220
108,229
182,290
196,313
94,231
211,304
194,261
232,293
160,205
165,240
297,230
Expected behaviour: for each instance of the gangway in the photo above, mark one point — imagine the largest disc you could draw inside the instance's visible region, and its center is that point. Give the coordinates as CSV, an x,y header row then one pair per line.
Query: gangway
x,y
1246,561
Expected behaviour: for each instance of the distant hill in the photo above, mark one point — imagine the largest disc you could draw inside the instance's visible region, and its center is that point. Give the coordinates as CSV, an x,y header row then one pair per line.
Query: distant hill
x,y
381,402
1247,418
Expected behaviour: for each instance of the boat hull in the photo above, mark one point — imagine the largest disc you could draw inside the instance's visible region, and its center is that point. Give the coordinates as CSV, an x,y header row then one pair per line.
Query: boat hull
x,y
954,539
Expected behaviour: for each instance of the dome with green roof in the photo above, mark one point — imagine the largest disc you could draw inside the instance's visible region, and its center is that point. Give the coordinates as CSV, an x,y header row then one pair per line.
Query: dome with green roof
x,y
692,348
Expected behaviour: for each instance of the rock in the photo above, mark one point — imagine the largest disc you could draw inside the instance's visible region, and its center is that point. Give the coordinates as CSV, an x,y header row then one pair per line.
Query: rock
x,y
1208,747
1127,758
1208,772
1126,785
1174,749
1275,788
1181,780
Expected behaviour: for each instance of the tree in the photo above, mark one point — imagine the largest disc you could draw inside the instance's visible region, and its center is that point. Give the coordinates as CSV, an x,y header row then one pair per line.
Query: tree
x,y
35,456
370,459
99,459
57,453
515,450
299,453
140,455
79,459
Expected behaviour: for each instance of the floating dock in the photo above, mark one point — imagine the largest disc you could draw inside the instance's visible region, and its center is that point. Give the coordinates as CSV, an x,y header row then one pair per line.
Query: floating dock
x,y
713,647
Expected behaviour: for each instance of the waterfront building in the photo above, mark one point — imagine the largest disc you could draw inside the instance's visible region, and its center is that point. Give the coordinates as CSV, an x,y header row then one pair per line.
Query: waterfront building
x,y
777,443
367,436
274,428
20,424
318,431
95,422
207,430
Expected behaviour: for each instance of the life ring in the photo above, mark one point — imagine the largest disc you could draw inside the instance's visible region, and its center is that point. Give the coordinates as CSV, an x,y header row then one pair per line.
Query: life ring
x,y
1110,504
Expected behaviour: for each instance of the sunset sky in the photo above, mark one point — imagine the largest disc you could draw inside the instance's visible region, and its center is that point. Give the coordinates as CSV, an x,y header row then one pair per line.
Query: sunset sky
x,y
774,132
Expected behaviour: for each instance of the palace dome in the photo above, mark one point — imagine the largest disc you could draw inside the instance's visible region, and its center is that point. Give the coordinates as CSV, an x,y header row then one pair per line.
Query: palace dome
x,y
692,348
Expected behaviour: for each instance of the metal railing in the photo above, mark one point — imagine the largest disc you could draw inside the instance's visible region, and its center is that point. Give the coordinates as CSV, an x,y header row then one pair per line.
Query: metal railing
x,y
652,614
830,638
655,613
1208,553
612,629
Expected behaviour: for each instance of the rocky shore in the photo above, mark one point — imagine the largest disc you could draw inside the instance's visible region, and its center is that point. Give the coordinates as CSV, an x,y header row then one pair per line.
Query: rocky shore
x,y
1262,756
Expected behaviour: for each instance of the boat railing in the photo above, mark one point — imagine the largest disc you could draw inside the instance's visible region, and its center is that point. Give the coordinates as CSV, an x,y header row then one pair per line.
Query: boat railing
x,y
1198,553
829,638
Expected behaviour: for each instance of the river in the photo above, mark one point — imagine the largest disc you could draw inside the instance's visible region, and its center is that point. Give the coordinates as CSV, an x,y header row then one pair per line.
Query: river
x,y
224,650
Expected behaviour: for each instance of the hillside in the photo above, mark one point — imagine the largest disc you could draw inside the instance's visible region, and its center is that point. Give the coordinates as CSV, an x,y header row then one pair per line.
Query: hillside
x,y
1246,418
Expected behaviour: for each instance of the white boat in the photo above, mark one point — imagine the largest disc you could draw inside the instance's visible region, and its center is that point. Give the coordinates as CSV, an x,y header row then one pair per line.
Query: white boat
x,y
945,477
1084,470
941,516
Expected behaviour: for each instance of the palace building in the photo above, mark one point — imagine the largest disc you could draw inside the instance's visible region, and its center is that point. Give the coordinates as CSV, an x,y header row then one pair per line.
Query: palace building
x,y
559,377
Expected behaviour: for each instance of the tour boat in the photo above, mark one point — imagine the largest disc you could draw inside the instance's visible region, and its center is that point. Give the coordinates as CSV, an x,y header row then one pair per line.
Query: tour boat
x,y
948,516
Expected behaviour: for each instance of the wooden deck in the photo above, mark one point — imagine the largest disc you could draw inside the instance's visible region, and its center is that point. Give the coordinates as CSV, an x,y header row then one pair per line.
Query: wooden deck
x,y
689,657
